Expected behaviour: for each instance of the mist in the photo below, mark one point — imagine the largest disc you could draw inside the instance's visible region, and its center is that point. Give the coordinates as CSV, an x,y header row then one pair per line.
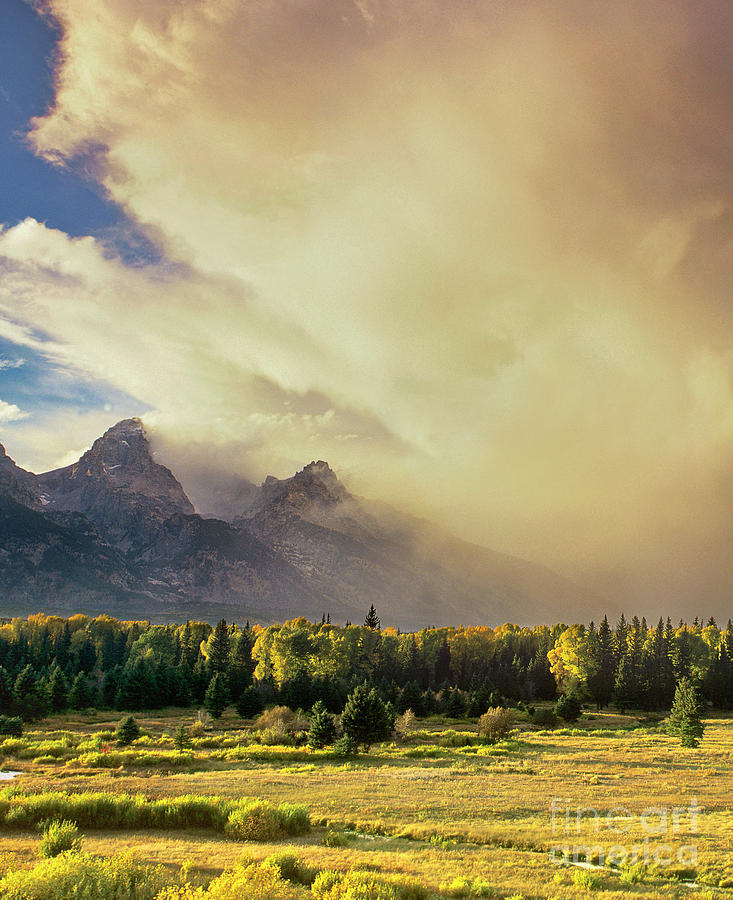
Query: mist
x,y
477,256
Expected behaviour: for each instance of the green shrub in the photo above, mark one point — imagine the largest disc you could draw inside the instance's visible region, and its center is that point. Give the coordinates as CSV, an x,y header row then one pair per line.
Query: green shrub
x,y
260,821
135,758
568,707
360,885
291,868
587,880
136,812
58,837
333,838
465,887
545,718
83,877
495,724
452,738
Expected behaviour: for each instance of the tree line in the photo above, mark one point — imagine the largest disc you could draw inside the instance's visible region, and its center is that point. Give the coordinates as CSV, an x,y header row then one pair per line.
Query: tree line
x,y
49,664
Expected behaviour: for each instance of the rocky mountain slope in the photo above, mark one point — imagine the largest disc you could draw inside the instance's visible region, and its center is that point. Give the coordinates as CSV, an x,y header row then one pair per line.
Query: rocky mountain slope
x,y
115,531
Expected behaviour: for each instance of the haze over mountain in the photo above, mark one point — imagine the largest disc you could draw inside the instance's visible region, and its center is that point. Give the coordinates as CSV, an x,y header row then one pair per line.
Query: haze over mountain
x,y
115,532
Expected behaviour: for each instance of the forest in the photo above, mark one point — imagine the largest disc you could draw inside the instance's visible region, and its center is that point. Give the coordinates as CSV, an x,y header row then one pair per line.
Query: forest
x,y
50,664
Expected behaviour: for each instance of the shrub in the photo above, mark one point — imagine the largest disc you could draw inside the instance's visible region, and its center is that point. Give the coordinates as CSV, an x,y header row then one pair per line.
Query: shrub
x,y
291,868
84,877
405,724
127,731
586,880
360,885
12,725
568,707
465,887
495,724
333,838
251,882
59,837
545,718
260,821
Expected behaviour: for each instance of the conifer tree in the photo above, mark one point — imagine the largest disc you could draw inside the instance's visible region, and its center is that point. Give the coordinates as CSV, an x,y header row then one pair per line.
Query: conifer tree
x,y
181,740
323,727
365,719
29,702
217,696
218,648
372,620
6,693
81,695
685,719
127,731
250,703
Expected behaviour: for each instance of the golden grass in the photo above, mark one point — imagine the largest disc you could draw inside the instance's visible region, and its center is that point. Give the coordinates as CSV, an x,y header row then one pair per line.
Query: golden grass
x,y
493,802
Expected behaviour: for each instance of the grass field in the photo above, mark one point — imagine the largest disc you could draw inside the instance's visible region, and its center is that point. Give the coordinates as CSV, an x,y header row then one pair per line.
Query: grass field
x,y
456,818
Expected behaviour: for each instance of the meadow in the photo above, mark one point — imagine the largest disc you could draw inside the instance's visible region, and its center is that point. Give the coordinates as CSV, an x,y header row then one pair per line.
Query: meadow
x,y
437,812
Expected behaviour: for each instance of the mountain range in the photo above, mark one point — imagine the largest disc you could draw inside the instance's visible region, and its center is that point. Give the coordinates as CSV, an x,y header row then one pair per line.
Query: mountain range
x,y
116,533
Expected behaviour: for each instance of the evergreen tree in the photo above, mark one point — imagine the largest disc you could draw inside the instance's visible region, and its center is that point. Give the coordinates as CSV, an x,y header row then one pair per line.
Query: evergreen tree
x,y
372,619
127,731
411,698
138,687
442,663
218,648
29,702
365,719
601,682
181,740
250,703
217,696
6,693
81,695
625,691
685,719
58,690
323,727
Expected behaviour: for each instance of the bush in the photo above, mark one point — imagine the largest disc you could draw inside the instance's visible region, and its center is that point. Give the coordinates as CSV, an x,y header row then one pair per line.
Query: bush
x,y
291,868
586,880
405,724
260,821
545,718
59,837
252,882
465,887
333,838
84,877
127,731
359,885
568,707
495,724
12,725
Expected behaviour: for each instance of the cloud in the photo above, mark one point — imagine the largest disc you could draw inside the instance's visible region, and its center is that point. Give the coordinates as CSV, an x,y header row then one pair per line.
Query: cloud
x,y
9,412
11,363
492,238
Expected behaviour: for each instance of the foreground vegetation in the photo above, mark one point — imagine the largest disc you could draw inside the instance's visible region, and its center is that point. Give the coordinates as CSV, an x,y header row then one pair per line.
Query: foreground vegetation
x,y
437,811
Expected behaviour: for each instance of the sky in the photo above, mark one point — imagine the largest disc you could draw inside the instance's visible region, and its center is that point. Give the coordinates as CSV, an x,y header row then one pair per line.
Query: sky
x,y
476,255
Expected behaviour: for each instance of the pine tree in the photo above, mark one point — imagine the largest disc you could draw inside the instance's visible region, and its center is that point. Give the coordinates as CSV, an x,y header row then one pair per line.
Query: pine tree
x,y
217,696
365,719
442,663
127,731
218,648
80,695
601,682
250,703
6,693
28,699
372,619
181,740
323,727
685,719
